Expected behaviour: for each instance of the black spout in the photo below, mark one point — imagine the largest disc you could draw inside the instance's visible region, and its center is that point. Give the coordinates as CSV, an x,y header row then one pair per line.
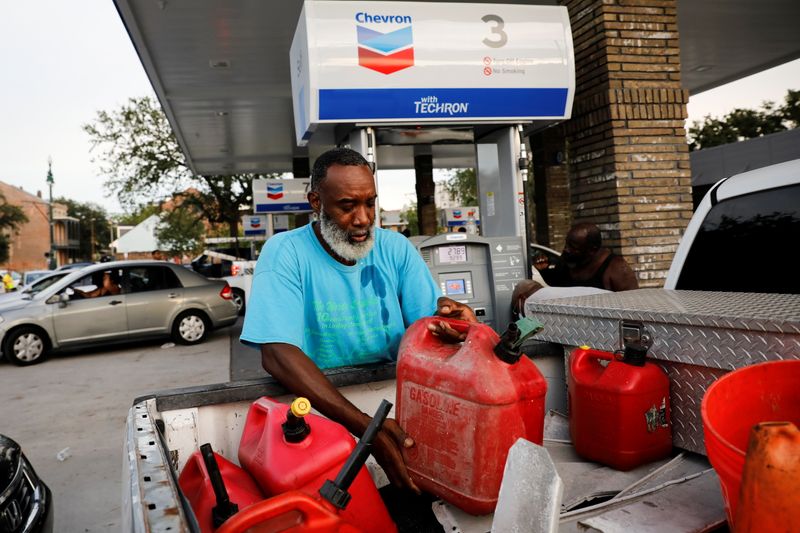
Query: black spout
x,y
336,491
295,429
507,349
225,508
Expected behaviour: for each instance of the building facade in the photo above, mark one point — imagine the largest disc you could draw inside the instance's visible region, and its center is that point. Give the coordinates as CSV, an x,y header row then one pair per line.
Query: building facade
x,y
30,243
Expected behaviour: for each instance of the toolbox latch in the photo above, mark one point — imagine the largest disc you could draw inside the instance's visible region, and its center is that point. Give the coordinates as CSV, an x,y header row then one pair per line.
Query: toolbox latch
x,y
633,335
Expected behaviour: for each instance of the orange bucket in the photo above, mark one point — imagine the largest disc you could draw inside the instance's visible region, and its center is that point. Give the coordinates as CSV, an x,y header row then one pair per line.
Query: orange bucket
x,y
734,404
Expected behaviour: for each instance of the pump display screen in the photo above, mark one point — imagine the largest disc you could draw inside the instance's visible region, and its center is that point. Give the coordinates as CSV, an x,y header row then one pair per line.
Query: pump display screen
x,y
455,286
452,254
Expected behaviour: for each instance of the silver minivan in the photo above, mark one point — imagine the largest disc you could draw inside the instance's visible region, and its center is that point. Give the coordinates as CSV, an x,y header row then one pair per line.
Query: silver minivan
x,y
153,299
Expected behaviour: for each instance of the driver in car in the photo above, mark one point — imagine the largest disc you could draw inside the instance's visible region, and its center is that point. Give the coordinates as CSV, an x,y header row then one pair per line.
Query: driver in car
x,y
109,286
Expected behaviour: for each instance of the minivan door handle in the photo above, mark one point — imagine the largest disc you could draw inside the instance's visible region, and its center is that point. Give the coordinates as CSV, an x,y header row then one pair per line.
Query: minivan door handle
x,y
172,295
115,302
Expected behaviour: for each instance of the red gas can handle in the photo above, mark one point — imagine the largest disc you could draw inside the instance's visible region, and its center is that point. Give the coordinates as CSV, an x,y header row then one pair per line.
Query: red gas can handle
x,y
585,358
461,326
306,513
476,332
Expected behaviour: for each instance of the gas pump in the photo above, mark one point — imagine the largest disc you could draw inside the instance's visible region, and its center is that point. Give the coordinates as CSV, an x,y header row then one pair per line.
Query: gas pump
x,y
478,271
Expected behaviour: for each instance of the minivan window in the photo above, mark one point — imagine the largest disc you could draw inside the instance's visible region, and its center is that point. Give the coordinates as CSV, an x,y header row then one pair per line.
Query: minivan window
x,y
746,244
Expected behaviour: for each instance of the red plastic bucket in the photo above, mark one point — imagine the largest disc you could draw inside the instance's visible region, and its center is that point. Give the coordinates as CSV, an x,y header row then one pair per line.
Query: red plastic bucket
x,y
734,404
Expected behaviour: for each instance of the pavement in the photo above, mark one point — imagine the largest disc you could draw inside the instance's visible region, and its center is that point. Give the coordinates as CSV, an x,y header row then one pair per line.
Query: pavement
x,y
245,361
75,405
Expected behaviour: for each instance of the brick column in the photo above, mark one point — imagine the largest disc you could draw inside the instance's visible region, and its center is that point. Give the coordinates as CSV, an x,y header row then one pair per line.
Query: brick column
x,y
551,197
627,155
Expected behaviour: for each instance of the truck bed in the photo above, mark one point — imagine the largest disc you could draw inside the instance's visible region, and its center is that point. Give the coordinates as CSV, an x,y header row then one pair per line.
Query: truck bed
x,y
164,428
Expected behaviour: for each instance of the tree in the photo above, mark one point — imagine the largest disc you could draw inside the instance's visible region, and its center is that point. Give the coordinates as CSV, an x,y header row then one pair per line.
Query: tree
x,y
11,218
95,228
138,215
791,108
143,160
180,232
409,216
741,124
463,186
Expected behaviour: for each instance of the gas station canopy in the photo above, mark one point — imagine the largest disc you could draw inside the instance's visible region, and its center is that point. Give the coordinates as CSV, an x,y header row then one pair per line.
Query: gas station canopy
x,y
221,71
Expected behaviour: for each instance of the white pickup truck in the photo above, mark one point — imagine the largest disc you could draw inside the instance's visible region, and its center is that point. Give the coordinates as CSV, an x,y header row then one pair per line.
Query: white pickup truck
x,y
698,336
237,271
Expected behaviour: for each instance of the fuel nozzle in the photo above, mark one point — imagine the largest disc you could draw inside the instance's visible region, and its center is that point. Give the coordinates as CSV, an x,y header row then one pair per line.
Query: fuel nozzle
x,y
296,429
508,349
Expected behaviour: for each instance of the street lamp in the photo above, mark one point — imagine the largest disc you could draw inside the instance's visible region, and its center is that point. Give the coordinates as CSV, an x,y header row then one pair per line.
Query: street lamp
x,y
52,241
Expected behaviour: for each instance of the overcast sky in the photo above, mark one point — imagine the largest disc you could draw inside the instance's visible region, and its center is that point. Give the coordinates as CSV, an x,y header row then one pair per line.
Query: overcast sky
x,y
63,61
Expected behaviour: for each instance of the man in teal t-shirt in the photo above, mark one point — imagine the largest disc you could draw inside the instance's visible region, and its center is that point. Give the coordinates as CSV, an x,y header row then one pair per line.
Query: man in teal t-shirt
x,y
342,292
337,314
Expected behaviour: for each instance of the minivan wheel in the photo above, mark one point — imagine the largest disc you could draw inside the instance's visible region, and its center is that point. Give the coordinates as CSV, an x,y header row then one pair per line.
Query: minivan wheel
x,y
238,299
25,346
191,327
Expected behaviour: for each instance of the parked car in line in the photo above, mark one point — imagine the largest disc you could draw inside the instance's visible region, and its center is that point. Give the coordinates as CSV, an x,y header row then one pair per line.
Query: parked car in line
x,y
29,276
237,271
32,288
26,503
155,299
550,257
16,276
75,266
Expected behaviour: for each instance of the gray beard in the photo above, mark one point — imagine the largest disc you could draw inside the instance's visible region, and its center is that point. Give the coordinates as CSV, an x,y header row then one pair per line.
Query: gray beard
x,y
339,239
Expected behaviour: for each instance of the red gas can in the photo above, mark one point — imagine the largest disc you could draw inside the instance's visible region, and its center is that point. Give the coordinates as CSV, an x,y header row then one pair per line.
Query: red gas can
x,y
195,483
619,411
464,408
281,456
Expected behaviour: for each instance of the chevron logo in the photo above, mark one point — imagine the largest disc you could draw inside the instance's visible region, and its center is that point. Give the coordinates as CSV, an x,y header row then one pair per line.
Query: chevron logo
x,y
275,191
385,52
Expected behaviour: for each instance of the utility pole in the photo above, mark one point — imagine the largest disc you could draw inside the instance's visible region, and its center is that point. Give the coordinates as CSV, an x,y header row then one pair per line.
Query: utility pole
x,y
91,232
52,241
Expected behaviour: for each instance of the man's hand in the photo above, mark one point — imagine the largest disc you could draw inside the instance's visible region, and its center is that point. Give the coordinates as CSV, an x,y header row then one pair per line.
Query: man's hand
x,y
521,293
388,451
452,309
449,308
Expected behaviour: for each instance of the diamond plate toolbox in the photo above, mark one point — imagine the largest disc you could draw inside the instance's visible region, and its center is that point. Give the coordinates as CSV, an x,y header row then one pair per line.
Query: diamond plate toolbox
x,y
697,337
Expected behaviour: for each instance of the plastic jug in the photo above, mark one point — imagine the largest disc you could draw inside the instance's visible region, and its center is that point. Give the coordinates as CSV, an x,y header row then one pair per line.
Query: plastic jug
x,y
619,411
297,512
196,483
464,408
769,498
285,448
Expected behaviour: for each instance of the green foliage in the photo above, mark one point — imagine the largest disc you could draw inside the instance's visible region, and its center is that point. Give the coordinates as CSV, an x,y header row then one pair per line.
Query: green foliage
x,y
741,124
141,156
180,232
138,215
11,218
463,186
409,216
791,108
94,226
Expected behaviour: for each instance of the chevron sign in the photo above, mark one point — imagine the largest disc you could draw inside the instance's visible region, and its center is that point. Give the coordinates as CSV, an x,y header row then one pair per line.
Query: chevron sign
x,y
385,52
